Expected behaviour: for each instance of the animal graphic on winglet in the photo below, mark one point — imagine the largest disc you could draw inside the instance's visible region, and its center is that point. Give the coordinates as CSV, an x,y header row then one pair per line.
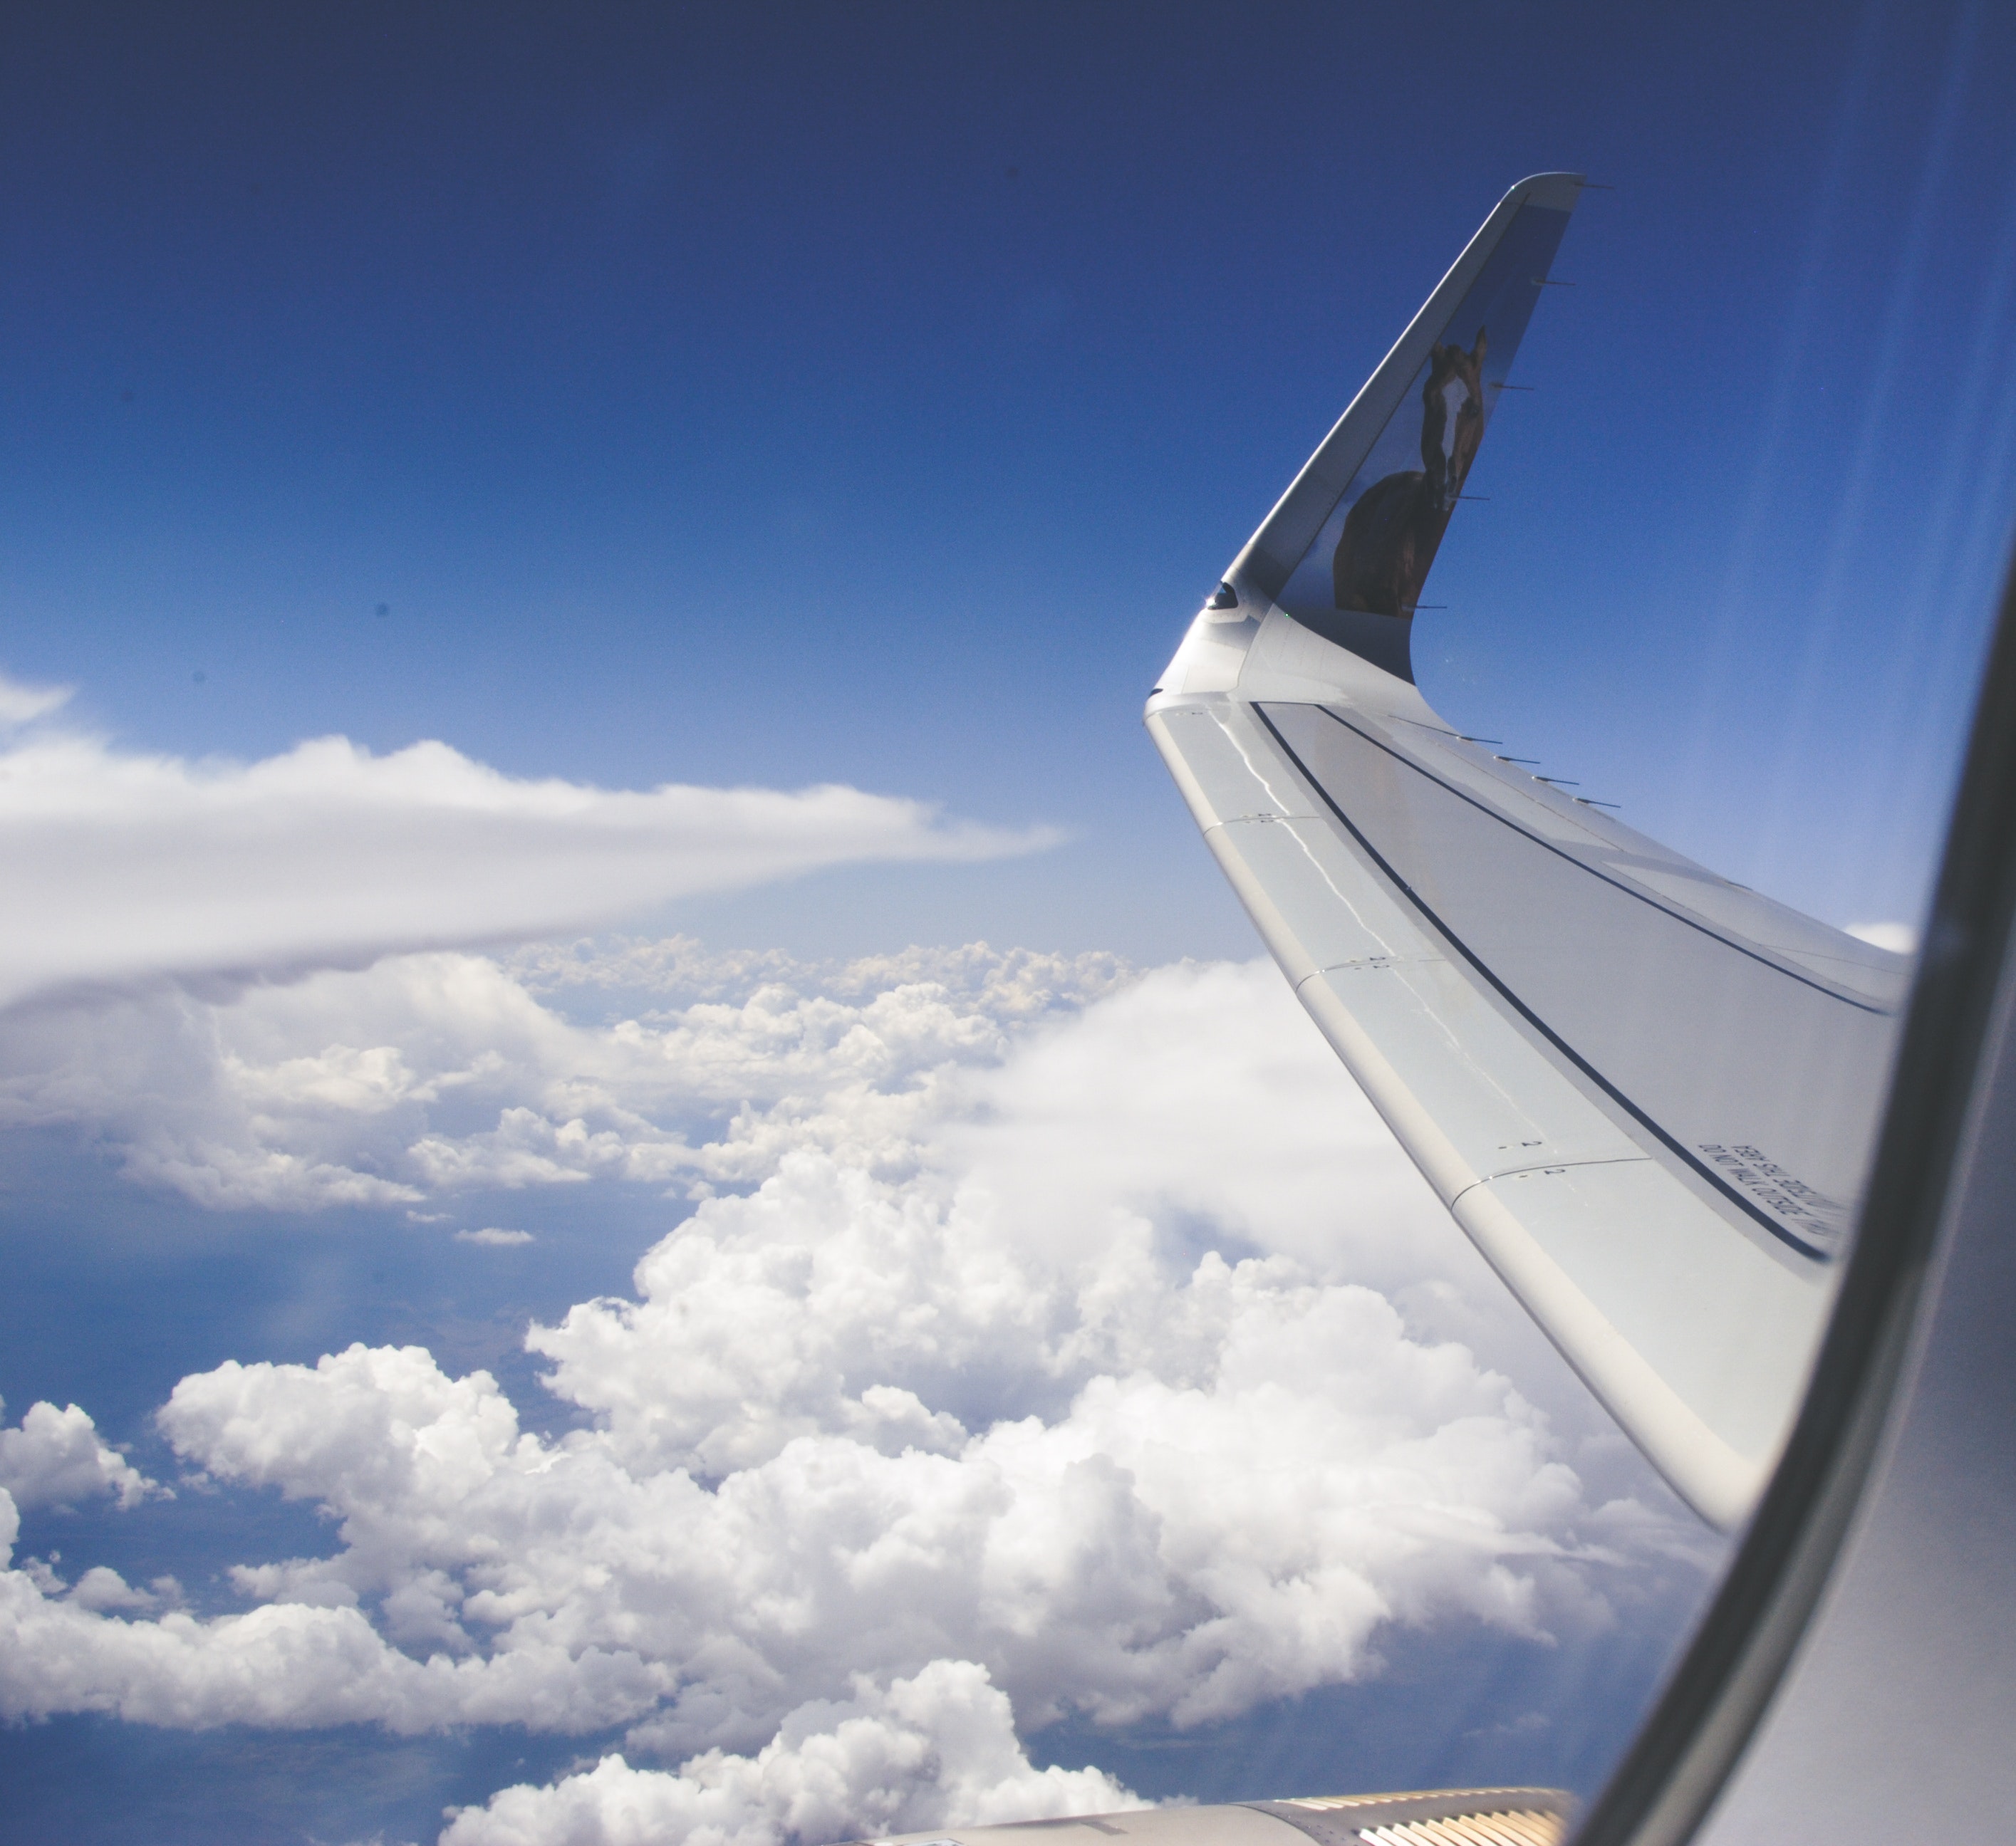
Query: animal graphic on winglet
x,y
1390,534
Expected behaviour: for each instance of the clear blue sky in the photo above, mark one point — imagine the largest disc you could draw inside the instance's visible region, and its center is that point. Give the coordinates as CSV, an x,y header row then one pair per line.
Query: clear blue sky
x,y
869,394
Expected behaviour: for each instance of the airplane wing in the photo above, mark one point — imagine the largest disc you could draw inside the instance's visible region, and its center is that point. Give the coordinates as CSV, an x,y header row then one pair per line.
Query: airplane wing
x,y
1647,1095
1436,1817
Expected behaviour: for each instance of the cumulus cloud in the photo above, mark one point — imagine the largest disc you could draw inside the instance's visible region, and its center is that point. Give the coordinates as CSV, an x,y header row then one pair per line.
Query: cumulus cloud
x,y
124,867
54,1459
1013,986
1033,1336
1184,1547
102,1588
494,1237
437,1074
937,1750
959,1367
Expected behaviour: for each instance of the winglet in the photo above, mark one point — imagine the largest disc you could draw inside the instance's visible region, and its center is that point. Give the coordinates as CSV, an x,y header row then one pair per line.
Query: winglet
x,y
1347,549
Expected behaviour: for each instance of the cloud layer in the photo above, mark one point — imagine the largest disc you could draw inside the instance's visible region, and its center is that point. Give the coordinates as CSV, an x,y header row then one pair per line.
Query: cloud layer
x,y
1034,1346
437,1076
125,867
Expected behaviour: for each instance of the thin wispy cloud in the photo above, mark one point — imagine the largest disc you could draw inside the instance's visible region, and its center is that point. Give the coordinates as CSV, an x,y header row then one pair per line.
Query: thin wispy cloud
x,y
125,867
21,704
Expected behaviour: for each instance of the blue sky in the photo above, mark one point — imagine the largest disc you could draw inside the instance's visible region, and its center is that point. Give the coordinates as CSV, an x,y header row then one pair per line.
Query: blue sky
x,y
866,396
786,396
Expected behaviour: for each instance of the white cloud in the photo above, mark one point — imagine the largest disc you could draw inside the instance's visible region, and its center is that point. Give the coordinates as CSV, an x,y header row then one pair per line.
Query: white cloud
x,y
962,1374
1900,938
21,704
54,1459
102,1588
1205,1089
442,1073
937,1750
1055,1344
124,868
495,1238
1014,985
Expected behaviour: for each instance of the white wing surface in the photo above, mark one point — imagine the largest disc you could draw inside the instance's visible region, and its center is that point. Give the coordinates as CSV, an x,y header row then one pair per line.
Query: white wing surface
x,y
1647,1094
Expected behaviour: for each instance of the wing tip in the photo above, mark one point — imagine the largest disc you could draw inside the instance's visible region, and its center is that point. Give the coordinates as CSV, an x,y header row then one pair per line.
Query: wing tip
x,y
1551,191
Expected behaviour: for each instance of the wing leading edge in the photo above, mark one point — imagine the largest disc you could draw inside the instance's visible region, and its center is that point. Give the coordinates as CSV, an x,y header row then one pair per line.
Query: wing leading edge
x,y
1647,1094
